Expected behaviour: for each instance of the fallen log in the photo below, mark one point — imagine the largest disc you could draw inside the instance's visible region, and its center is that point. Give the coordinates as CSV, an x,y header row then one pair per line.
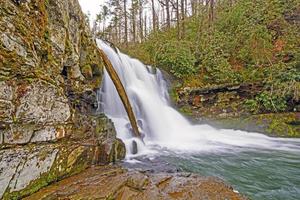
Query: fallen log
x,y
121,91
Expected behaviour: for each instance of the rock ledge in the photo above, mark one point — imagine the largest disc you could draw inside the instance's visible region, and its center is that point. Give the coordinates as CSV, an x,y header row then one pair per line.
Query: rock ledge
x,y
113,182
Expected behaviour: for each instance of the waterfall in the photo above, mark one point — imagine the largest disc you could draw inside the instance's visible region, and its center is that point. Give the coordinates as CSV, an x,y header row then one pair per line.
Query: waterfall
x,y
161,125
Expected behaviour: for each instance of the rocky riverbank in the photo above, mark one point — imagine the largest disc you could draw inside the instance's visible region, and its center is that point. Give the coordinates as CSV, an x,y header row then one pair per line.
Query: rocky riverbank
x,y
225,106
118,183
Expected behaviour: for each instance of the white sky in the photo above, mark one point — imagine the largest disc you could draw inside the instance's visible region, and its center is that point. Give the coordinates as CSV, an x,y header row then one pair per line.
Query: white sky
x,y
92,7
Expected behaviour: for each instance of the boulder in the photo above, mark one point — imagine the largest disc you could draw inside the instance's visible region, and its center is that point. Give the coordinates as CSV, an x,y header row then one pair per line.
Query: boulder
x,y
118,183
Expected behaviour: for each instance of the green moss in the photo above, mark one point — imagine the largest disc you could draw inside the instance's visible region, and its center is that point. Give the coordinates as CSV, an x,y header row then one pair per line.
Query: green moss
x,y
58,171
279,124
186,110
174,95
87,72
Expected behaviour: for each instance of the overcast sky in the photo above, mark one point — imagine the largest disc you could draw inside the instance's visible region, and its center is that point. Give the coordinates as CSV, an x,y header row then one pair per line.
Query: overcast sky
x,y
92,7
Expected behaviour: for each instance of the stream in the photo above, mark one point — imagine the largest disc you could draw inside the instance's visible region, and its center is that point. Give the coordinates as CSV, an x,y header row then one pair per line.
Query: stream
x,y
256,165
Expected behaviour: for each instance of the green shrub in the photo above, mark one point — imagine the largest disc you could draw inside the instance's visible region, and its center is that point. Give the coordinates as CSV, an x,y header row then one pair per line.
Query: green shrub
x,y
252,105
177,58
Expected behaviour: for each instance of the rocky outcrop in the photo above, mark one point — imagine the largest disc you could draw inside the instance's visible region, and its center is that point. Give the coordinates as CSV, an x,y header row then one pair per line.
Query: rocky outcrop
x,y
218,101
224,106
117,183
49,72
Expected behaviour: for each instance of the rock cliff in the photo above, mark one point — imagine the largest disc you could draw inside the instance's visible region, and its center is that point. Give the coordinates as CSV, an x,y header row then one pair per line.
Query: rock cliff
x,y
49,72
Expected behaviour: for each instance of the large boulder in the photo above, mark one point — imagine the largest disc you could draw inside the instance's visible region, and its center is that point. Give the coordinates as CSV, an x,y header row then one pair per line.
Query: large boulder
x,y
117,183
49,74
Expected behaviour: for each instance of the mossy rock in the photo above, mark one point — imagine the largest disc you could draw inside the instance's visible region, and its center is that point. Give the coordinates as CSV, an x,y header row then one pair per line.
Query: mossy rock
x,y
273,124
87,71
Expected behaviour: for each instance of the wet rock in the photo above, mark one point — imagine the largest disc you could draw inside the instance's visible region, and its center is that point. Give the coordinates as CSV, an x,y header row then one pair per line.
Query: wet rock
x,y
117,183
134,147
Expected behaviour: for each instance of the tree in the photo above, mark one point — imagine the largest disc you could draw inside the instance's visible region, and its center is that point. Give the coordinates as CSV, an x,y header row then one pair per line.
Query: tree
x,y
104,13
168,14
182,19
141,2
125,22
153,16
211,10
178,19
134,8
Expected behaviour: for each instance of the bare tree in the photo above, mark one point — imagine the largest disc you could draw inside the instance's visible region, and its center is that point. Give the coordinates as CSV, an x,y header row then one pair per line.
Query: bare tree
x,y
182,19
211,10
125,22
141,20
153,16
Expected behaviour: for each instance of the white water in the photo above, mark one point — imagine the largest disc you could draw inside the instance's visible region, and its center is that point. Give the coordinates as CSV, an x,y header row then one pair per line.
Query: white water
x,y
165,128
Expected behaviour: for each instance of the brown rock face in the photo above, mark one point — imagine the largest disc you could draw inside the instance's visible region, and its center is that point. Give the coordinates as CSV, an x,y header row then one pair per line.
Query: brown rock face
x,y
117,183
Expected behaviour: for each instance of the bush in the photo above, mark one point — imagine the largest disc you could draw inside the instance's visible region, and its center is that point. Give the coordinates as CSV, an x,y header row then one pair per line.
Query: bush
x,y
271,102
267,102
177,58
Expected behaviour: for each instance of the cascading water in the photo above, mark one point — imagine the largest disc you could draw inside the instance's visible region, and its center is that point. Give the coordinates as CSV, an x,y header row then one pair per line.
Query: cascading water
x,y
160,123
166,130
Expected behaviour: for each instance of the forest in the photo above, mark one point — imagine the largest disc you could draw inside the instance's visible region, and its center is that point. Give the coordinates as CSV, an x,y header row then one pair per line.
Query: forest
x,y
205,43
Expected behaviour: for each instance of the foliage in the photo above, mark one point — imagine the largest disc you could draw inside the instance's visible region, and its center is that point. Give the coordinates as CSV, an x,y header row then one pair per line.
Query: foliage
x,y
251,105
266,102
177,58
251,41
271,102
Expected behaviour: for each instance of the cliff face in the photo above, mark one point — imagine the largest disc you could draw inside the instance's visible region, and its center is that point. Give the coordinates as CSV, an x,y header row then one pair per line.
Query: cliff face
x,y
49,72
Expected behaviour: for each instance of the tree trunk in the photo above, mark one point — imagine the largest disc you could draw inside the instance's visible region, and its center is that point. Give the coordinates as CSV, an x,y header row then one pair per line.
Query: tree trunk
x,y
193,5
145,26
141,20
126,25
121,91
178,19
133,21
211,11
182,19
153,16
168,13
120,32
185,7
